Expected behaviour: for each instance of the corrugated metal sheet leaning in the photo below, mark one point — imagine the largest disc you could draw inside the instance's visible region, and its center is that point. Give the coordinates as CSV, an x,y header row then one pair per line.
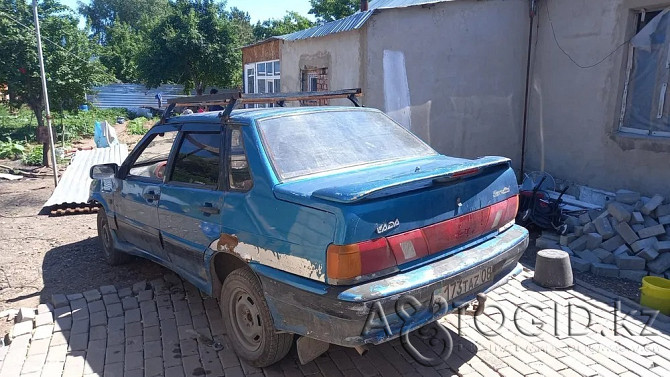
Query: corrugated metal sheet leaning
x,y
132,96
73,187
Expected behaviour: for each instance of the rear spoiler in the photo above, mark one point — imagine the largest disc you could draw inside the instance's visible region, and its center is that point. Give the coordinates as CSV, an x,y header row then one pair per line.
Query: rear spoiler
x,y
357,192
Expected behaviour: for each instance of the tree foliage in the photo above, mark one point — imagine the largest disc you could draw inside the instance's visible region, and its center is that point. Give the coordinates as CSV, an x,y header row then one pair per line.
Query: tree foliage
x,y
196,45
330,10
68,57
102,15
291,22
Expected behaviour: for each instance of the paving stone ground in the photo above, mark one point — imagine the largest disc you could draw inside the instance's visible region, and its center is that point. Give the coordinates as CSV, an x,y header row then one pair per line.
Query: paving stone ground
x,y
166,328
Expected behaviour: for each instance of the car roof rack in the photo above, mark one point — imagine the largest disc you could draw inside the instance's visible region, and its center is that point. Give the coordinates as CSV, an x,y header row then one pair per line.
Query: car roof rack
x,y
232,98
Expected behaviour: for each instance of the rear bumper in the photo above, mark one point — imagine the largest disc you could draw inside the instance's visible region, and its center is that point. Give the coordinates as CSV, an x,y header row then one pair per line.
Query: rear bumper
x,y
339,315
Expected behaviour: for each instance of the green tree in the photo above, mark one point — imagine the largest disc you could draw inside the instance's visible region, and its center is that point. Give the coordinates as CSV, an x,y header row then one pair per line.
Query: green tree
x,y
330,10
196,45
242,23
103,14
68,53
291,22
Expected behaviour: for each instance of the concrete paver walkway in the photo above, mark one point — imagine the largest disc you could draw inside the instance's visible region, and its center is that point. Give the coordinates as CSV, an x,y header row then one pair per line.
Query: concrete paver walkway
x,y
166,328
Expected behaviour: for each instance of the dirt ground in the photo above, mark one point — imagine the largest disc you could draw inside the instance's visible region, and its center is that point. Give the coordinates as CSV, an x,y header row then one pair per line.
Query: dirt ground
x,y
41,255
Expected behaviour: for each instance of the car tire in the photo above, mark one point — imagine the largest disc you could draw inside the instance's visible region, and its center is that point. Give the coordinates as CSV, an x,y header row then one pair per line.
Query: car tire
x,y
248,321
112,255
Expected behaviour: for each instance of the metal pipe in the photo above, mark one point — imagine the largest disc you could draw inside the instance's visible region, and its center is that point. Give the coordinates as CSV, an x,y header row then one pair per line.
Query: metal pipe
x,y
364,5
46,94
532,4
362,350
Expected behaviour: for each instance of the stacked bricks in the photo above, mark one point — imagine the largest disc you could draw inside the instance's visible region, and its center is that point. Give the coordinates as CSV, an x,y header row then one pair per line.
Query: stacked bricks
x,y
628,239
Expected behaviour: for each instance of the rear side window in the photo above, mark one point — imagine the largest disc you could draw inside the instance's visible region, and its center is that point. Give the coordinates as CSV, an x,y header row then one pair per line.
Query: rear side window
x,y
239,174
311,143
198,159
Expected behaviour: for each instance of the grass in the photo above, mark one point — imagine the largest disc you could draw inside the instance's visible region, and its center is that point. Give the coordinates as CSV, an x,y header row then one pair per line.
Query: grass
x,y
20,125
137,126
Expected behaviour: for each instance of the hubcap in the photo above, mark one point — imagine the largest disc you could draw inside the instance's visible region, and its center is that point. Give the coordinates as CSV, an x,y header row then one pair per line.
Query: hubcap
x,y
246,319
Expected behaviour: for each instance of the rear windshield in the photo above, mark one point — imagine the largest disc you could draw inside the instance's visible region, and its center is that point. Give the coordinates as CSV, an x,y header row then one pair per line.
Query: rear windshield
x,y
311,143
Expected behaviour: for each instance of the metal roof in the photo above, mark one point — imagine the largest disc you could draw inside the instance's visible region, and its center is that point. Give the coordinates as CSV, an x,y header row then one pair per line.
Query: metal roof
x,y
73,187
353,22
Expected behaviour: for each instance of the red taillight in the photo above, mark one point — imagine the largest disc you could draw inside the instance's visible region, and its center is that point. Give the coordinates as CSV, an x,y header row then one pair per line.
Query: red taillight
x,y
465,173
344,263
408,246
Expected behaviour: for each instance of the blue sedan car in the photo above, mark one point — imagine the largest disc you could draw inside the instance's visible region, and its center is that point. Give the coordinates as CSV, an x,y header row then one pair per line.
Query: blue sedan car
x,y
311,222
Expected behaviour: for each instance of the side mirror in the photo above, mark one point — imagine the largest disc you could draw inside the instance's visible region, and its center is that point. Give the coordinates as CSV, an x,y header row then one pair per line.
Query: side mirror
x,y
104,171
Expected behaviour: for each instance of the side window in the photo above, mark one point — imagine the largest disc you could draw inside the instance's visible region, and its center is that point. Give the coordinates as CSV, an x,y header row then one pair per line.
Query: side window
x,y
239,174
198,159
152,160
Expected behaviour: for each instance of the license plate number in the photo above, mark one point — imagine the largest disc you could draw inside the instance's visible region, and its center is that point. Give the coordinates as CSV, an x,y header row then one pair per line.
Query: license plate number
x,y
467,283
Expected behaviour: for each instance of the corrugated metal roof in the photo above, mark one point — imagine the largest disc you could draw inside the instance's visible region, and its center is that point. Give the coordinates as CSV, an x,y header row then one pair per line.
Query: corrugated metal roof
x,y
386,4
355,21
75,183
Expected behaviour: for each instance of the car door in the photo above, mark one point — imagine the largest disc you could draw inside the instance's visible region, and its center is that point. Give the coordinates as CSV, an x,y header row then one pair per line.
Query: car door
x,y
189,209
140,189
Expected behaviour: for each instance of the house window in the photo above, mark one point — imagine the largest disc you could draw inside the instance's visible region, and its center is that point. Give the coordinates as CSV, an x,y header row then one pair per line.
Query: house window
x,y
646,107
262,77
315,80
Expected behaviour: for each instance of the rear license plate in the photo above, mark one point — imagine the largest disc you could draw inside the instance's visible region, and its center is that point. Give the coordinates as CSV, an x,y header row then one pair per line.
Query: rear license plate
x,y
466,284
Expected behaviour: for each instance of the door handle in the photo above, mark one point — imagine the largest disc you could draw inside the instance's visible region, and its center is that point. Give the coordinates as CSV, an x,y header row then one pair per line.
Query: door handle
x,y
209,209
151,196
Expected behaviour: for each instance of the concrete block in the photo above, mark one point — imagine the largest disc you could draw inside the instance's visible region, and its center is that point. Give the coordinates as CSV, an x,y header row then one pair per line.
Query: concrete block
x,y
637,227
44,308
662,210
595,213
605,270
588,256
604,228
638,206
619,211
627,262
59,301
21,328
590,228
579,244
604,256
651,231
142,285
550,234
650,242
613,243
580,264
107,289
649,221
622,250
626,196
584,218
636,218
25,314
627,233
660,264
652,204
572,221
663,246
593,240
614,222
664,220
567,239
578,230
567,250
92,295
545,243
632,275
648,253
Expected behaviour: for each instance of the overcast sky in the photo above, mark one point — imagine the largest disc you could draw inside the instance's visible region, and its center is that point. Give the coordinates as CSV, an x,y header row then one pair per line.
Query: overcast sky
x,y
259,10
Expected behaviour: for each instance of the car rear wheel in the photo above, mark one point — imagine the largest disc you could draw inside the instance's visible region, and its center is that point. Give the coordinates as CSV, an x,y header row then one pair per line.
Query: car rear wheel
x,y
112,255
248,321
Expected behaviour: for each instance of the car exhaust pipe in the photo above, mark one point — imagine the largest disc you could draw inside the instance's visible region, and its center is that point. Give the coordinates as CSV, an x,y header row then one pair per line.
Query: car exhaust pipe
x,y
481,304
362,350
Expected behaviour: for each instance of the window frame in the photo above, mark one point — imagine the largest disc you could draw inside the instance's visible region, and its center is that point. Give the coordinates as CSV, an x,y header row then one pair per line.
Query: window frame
x,y
228,153
266,78
169,168
621,128
124,171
